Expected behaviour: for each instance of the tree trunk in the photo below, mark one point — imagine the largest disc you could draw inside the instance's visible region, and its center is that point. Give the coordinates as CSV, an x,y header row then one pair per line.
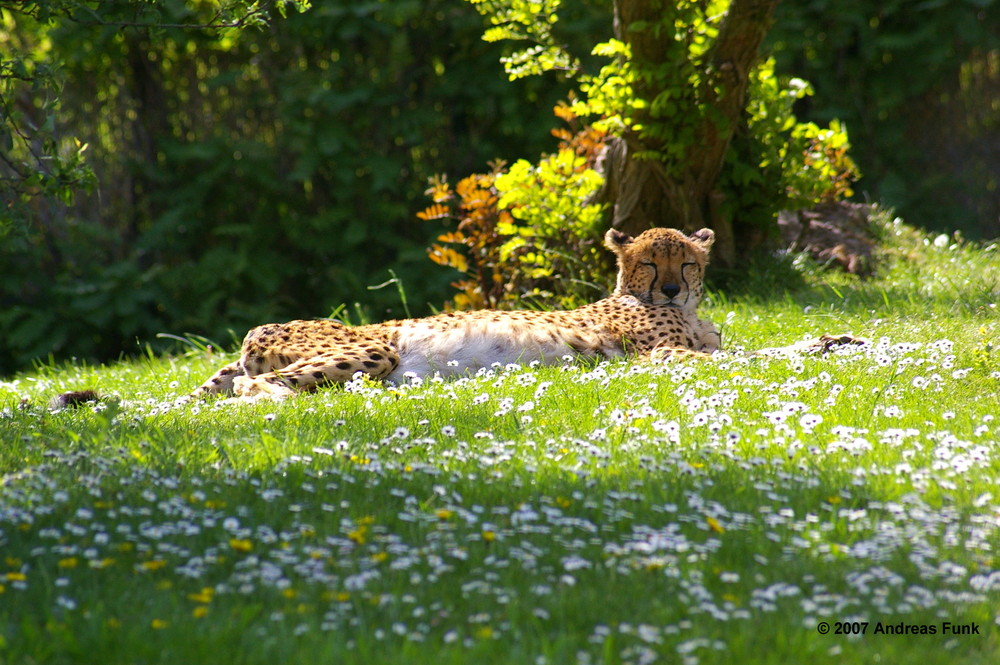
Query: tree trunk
x,y
643,192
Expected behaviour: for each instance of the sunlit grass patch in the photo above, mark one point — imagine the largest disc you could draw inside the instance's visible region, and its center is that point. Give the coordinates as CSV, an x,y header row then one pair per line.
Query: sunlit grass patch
x,y
611,513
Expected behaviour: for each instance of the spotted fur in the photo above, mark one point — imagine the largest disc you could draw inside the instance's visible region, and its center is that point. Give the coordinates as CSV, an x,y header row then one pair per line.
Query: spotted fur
x,y
651,314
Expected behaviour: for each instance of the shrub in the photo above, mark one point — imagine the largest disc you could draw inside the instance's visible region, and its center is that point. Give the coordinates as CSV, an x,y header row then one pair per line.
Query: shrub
x,y
529,232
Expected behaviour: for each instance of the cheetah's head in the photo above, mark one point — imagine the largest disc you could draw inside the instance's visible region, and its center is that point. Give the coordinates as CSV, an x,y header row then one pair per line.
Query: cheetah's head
x,y
661,266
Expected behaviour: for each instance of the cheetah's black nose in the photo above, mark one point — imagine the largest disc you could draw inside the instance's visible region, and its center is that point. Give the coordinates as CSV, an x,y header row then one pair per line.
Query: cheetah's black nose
x,y
670,290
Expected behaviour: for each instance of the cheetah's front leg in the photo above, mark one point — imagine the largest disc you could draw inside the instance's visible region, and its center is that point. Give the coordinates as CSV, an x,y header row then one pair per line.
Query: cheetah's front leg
x,y
220,383
309,373
262,386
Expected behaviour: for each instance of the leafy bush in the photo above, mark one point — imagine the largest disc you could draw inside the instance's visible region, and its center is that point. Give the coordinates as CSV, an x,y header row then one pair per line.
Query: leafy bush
x,y
704,133
530,232
472,206
542,242
919,86
777,162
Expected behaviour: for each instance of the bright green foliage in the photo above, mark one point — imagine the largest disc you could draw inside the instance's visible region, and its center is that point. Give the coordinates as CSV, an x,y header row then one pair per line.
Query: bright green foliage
x,y
549,201
781,162
529,20
664,101
825,172
609,94
778,161
528,233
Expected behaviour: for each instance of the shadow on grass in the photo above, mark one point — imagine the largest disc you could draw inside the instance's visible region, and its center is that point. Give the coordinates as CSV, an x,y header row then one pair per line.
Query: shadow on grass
x,y
655,555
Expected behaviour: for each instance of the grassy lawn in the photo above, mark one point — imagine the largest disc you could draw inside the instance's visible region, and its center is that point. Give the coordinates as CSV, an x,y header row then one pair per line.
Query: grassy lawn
x,y
686,512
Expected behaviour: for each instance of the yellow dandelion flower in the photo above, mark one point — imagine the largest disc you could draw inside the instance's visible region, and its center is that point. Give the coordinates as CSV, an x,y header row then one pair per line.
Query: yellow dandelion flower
x,y
289,593
484,633
379,557
154,564
833,499
199,612
366,520
102,563
240,544
444,514
358,535
343,597
16,577
204,596
563,502
407,468
67,563
158,624
714,524
2,588
489,536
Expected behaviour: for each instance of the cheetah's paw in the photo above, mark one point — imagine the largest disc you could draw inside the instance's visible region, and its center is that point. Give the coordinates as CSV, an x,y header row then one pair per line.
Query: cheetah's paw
x,y
823,344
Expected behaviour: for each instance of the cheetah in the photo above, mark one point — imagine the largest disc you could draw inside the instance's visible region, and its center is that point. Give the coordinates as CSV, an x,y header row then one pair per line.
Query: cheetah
x,y
651,315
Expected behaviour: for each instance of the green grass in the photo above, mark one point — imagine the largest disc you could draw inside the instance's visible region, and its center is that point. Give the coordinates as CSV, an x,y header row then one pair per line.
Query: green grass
x,y
709,512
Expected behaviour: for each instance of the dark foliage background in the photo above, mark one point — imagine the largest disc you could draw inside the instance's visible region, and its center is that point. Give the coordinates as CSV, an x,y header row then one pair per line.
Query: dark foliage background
x,y
918,85
258,175
252,176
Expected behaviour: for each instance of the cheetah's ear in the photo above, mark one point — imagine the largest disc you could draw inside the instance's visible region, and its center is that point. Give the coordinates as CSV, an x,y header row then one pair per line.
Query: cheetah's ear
x,y
703,237
615,240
